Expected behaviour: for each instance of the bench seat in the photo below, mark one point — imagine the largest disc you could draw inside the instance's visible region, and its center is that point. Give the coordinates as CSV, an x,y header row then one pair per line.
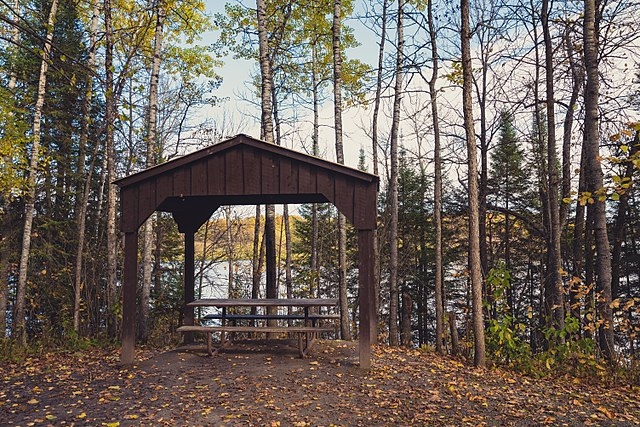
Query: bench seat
x,y
240,316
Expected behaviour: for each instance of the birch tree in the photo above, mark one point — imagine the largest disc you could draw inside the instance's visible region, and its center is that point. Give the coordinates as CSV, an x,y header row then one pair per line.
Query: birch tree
x,y
152,148
393,185
345,333
19,327
594,174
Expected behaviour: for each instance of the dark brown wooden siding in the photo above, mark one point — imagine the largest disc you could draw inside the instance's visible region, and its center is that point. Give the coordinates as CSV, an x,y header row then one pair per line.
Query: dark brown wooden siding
x,y
250,173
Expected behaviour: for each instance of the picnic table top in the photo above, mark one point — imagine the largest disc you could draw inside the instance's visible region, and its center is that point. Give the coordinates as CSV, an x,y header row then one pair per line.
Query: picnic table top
x,y
263,302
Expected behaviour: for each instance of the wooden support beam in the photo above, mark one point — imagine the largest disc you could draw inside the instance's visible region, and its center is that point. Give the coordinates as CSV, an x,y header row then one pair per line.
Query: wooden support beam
x,y
130,278
189,282
365,283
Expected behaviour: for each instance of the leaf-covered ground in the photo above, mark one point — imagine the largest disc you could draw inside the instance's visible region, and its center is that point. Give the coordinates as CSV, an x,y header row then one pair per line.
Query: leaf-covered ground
x,y
265,384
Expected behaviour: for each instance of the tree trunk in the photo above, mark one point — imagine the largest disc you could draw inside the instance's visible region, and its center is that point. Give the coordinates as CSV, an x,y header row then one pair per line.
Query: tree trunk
x,y
453,329
407,306
152,148
595,179
393,185
374,148
288,276
437,186
110,115
84,187
345,333
19,328
554,268
475,267
577,80
257,258
266,131
579,241
314,277
230,253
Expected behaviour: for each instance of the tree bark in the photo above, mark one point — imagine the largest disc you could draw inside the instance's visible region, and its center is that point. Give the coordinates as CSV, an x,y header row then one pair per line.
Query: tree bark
x,y
314,277
475,267
267,135
345,333
84,186
374,150
554,283
437,185
19,328
110,115
595,178
152,148
393,185
407,305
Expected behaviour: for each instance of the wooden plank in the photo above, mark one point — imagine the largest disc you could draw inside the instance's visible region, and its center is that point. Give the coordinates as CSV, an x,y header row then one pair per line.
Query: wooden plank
x,y
365,209
265,302
326,185
343,198
182,182
251,169
233,172
129,209
199,178
130,279
288,176
306,179
146,199
164,187
264,329
367,316
189,282
216,176
270,174
271,316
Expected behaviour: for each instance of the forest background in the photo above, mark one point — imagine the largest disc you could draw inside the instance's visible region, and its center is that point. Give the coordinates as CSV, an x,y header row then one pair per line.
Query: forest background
x,y
505,134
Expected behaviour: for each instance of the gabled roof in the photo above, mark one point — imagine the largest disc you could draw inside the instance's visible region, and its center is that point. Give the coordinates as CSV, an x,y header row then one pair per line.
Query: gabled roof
x,y
243,140
245,170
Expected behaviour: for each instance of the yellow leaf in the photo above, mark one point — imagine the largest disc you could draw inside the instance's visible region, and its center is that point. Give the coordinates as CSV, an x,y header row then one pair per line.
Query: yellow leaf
x,y
50,417
131,417
82,416
606,412
33,401
113,424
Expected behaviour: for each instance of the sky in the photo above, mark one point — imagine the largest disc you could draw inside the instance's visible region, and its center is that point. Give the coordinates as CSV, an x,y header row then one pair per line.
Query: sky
x,y
236,73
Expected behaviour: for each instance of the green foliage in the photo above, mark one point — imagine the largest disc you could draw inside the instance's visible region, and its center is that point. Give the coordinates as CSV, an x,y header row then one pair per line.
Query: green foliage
x,y
300,43
505,338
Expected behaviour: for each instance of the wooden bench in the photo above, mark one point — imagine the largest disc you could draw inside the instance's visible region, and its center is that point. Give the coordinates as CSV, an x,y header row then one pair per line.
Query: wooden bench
x,y
304,346
314,318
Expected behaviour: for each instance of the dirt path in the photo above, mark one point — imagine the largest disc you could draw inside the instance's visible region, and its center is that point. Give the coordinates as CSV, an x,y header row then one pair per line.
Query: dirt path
x,y
266,384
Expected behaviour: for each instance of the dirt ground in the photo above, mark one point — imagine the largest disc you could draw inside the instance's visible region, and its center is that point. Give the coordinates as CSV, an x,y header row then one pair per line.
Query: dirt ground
x,y
263,383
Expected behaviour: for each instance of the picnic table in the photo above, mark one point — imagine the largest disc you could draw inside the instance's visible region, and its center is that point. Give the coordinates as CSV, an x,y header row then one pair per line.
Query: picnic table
x,y
230,317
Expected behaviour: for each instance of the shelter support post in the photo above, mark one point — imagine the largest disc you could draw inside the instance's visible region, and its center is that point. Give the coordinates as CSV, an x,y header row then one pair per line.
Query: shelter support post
x,y
127,352
365,284
189,282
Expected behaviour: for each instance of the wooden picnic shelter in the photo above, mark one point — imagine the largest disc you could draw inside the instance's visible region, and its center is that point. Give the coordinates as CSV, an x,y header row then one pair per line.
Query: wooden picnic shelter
x,y
243,171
